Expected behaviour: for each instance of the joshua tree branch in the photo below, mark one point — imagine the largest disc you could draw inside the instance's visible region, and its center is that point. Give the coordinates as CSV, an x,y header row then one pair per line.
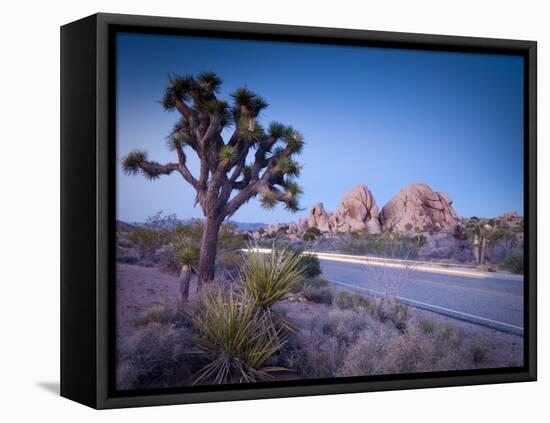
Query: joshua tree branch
x,y
154,169
187,112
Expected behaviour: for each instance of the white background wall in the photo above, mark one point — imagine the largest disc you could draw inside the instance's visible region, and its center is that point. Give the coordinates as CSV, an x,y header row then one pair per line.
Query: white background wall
x,y
29,210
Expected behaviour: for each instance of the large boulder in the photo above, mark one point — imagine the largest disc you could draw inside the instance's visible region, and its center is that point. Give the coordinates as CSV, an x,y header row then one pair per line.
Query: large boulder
x,y
357,212
417,207
318,218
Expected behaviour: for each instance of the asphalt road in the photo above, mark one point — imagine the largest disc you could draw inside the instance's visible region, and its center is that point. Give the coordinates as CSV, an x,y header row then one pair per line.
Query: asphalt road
x,y
492,302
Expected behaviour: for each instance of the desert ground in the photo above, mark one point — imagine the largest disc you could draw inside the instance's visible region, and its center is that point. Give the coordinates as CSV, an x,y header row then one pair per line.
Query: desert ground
x,y
337,335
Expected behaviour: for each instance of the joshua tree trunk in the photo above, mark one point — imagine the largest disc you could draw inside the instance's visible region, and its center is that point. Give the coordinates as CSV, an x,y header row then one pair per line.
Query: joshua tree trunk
x,y
476,248
185,278
482,250
209,244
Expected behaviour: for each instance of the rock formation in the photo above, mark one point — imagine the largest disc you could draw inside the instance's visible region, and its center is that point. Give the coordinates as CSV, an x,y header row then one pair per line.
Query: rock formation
x,y
357,212
416,207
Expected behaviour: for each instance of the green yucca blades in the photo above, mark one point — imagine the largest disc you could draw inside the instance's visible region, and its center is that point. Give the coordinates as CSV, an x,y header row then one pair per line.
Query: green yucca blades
x,y
236,339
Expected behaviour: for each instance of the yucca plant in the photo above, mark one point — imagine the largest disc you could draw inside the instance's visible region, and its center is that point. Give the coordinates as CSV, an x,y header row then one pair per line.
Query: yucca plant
x,y
188,259
268,278
236,339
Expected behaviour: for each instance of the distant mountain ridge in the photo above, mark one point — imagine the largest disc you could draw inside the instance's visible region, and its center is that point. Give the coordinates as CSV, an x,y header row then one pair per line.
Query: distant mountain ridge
x,y
240,226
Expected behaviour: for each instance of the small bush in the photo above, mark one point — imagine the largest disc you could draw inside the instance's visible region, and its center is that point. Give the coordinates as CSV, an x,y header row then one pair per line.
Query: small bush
x,y
410,352
514,263
230,260
153,315
311,234
478,353
157,356
317,282
388,309
319,350
311,266
318,294
427,325
348,301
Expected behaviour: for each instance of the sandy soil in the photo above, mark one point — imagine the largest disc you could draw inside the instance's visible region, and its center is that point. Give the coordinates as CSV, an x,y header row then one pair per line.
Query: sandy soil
x,y
138,289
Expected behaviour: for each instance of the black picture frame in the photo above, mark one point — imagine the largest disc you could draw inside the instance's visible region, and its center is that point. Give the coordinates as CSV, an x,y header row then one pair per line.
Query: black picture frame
x,y
88,209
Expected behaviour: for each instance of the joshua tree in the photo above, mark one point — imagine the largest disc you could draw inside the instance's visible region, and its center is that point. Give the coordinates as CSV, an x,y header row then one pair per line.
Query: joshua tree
x,y
251,162
481,231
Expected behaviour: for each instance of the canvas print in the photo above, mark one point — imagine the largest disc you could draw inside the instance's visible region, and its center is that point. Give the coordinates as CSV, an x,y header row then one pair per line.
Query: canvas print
x,y
295,211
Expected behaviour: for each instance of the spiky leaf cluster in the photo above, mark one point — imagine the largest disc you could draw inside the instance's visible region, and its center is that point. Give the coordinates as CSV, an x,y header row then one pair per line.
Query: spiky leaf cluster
x,y
288,166
277,130
130,163
209,81
294,140
268,200
293,188
227,154
237,340
175,141
250,129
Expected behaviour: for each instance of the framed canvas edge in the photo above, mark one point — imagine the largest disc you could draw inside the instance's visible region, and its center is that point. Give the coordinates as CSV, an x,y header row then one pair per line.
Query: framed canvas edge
x,y
105,251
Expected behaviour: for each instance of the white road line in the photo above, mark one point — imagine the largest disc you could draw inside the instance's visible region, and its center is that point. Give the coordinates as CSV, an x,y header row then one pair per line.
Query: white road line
x,y
444,310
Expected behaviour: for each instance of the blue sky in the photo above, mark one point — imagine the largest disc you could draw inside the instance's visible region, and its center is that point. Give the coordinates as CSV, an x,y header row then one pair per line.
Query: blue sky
x,y
383,117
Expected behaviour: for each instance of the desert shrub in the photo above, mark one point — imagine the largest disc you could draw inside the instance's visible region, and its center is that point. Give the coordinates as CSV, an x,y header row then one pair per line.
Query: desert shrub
x,y
479,353
346,301
514,262
448,331
431,228
460,233
318,350
392,353
268,278
312,354
230,260
419,240
344,325
388,309
236,339
427,325
311,265
157,356
317,282
311,234
387,245
145,240
318,294
153,315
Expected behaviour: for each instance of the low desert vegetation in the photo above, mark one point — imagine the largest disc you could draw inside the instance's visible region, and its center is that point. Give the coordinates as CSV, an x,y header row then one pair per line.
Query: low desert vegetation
x,y
272,323
237,339
514,262
384,245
